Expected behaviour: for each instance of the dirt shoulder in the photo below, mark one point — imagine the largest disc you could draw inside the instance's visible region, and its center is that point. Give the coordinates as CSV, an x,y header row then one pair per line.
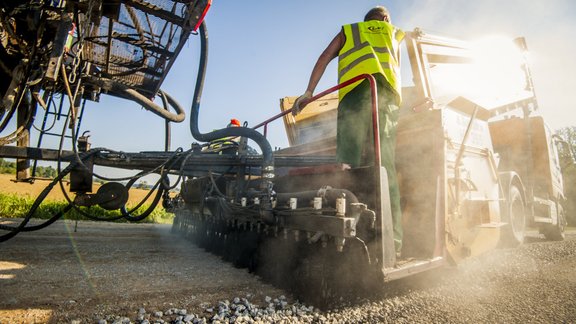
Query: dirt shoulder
x,y
64,273
104,271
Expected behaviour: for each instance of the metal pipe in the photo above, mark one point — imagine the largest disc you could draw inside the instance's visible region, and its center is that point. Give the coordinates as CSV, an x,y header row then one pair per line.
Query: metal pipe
x,y
460,155
318,96
375,120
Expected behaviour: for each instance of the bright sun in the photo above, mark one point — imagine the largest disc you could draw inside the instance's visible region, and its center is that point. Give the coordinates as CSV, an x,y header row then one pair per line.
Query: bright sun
x,y
494,76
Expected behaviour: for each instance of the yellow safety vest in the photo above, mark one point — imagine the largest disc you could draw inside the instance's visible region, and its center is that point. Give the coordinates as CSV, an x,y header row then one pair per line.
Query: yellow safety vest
x,y
371,47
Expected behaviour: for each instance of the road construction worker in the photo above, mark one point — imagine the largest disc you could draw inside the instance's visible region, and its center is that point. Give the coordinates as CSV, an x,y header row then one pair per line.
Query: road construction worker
x,y
234,123
226,145
368,47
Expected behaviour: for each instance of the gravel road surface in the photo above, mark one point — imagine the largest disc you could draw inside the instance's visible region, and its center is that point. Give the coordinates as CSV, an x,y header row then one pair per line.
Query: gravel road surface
x,y
140,273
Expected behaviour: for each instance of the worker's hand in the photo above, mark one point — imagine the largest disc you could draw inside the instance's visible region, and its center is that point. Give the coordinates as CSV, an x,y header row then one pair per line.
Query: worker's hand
x,y
301,102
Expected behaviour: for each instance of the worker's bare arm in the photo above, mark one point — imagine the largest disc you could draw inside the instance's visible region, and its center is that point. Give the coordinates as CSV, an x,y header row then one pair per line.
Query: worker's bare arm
x,y
325,58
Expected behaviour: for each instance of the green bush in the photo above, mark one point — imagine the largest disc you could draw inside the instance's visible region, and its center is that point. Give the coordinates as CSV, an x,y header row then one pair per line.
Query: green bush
x,y
14,206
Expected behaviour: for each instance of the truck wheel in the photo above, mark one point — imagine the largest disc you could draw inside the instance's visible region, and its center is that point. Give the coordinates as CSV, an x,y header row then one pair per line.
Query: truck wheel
x,y
514,232
556,232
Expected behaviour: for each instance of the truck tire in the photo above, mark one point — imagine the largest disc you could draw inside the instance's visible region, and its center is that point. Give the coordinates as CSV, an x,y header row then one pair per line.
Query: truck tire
x,y
555,232
515,215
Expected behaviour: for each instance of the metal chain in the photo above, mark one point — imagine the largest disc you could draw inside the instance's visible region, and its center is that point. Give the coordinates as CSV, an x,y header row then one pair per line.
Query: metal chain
x,y
76,63
79,52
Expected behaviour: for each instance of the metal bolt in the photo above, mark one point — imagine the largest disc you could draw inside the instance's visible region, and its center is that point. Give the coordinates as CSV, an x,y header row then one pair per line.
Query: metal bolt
x,y
340,207
317,203
293,203
340,244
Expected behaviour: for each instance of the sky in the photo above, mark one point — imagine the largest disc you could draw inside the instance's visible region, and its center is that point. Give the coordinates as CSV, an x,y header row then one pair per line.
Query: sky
x,y
261,51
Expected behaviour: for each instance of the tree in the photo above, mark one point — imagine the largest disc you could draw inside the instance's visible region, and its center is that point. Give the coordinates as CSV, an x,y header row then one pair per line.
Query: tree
x,y
46,172
566,151
143,184
7,167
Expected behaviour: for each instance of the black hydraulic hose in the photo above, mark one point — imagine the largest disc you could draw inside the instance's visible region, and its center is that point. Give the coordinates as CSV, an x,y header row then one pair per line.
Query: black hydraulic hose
x,y
50,221
78,161
15,230
332,194
177,117
124,213
167,128
162,186
127,214
261,141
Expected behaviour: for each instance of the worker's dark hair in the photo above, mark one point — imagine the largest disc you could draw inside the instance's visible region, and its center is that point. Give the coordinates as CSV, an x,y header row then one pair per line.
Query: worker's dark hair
x,y
378,13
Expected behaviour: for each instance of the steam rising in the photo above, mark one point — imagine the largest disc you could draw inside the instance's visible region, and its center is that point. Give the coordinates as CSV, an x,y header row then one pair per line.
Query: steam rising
x,y
548,27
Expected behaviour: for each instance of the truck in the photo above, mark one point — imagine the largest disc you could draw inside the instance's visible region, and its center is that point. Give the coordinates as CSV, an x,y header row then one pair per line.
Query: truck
x,y
477,166
476,170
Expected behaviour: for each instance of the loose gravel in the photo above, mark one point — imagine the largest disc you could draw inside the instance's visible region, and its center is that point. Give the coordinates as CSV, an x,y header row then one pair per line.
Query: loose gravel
x,y
106,273
239,310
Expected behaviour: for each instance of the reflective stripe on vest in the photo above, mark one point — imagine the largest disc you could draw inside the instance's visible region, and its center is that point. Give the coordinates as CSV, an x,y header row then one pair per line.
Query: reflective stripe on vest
x,y
371,47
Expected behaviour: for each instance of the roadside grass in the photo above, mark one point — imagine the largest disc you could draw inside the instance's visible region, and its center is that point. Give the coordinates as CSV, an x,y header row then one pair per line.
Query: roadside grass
x,y
15,206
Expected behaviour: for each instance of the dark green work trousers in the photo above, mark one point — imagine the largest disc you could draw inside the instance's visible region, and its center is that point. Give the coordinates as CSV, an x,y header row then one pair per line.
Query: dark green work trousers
x,y
355,139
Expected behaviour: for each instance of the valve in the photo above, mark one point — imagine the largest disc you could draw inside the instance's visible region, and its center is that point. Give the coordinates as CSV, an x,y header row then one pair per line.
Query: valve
x,y
83,143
